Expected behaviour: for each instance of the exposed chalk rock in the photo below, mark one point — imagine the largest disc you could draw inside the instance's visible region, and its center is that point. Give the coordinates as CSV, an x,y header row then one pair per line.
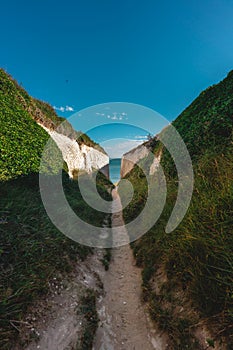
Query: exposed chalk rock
x,y
79,157
132,157
155,164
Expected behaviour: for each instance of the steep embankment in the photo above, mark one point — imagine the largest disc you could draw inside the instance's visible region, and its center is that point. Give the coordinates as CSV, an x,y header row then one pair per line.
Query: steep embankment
x,y
138,154
130,158
23,138
79,156
187,274
33,253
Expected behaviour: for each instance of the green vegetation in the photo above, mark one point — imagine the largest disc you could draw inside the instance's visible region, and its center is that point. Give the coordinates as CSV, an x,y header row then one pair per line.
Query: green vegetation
x,y
85,139
21,139
206,125
32,250
48,113
197,257
107,258
76,202
88,308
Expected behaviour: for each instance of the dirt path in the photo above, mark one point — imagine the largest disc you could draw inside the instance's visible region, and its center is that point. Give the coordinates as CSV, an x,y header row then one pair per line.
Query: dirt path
x,y
124,324
56,323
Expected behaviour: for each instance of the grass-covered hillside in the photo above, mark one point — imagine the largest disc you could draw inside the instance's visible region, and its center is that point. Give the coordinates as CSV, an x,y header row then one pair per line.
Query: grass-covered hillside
x,y
188,274
32,250
21,138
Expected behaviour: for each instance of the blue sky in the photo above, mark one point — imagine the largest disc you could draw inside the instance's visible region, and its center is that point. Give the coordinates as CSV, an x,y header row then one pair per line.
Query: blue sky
x,y
118,113
75,54
118,126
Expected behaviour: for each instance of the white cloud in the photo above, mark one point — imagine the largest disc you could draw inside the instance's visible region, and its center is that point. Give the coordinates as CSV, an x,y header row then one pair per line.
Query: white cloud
x,y
61,109
140,137
64,109
69,109
115,116
112,115
117,147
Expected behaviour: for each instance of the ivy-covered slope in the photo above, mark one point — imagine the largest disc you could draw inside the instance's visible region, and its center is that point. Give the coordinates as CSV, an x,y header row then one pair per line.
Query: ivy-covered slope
x,y
21,138
196,260
32,250
207,123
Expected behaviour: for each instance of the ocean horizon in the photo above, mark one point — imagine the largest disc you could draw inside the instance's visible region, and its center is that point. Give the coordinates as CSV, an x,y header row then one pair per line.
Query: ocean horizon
x,y
115,169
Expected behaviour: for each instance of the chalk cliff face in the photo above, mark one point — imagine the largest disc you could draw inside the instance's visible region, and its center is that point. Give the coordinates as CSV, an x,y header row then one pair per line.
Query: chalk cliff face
x,y
132,157
155,164
25,125
79,157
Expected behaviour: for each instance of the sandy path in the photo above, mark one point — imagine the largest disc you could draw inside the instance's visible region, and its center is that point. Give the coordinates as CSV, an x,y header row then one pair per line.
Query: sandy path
x,y
124,323
56,322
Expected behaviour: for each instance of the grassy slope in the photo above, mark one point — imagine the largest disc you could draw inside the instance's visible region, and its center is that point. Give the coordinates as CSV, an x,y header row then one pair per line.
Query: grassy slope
x,y
197,257
21,138
31,248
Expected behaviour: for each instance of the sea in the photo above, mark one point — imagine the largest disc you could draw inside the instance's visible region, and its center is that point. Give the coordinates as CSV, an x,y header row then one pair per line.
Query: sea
x,y
115,169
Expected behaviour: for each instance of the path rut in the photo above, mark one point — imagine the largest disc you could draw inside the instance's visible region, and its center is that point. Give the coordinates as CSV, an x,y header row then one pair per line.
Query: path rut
x,y
124,323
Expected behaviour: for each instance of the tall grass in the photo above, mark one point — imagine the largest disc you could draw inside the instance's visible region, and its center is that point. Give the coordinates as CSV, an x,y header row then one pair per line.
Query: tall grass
x,y
32,250
197,256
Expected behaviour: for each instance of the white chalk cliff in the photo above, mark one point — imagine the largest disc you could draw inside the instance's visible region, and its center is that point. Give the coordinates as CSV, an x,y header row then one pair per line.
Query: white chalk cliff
x,y
78,157
155,164
132,157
